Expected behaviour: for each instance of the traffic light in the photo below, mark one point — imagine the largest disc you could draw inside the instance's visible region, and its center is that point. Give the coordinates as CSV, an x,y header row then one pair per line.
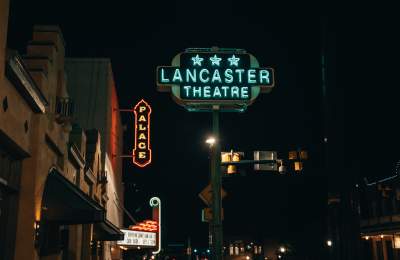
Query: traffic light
x,y
266,155
297,159
231,157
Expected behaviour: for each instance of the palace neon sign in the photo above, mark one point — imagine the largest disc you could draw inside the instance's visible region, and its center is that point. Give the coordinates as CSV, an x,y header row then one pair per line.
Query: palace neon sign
x,y
215,76
142,149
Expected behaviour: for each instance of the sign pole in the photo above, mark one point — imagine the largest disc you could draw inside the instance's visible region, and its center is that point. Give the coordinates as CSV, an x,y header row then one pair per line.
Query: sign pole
x,y
216,184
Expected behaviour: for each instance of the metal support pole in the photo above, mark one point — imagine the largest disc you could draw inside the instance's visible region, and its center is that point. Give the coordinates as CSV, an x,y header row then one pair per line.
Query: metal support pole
x,y
216,183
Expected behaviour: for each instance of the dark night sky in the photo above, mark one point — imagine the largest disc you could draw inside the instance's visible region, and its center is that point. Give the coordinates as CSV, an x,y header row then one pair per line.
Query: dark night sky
x,y
362,87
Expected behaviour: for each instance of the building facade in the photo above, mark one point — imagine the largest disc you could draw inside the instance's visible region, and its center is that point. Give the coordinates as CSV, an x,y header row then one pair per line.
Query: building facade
x,y
54,193
380,219
92,87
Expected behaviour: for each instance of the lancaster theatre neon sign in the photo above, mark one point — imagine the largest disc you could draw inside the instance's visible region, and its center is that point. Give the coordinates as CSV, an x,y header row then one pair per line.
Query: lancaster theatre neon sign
x,y
142,149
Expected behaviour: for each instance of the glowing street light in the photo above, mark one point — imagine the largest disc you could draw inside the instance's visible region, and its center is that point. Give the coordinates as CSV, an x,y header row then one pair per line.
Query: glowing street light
x,y
329,243
282,249
210,141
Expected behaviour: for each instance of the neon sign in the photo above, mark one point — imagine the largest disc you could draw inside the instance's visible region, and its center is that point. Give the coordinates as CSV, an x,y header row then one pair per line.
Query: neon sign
x,y
215,76
142,149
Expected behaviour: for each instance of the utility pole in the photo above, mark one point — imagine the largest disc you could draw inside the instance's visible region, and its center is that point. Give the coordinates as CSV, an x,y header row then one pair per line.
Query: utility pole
x,y
216,185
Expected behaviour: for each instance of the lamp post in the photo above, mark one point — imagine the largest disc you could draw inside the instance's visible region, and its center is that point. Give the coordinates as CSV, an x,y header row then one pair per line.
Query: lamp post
x,y
210,141
216,185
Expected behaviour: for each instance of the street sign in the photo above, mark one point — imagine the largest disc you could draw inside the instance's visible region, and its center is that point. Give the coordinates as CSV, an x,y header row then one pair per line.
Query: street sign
x,y
206,195
202,78
206,214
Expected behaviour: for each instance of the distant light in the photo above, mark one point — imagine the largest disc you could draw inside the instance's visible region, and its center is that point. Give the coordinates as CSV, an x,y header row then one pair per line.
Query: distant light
x,y
326,139
381,236
279,256
367,238
195,250
247,257
210,141
329,243
282,249
208,250
152,257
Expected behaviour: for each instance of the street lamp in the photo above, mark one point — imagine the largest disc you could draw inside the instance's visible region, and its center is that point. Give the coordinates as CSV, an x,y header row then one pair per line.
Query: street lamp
x,y
210,141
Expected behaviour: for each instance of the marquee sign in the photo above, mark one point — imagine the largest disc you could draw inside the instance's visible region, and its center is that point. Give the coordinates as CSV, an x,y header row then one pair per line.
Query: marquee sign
x,y
142,149
201,78
138,238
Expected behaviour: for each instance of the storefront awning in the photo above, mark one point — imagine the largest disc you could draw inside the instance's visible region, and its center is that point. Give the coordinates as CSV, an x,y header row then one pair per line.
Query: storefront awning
x,y
106,231
65,203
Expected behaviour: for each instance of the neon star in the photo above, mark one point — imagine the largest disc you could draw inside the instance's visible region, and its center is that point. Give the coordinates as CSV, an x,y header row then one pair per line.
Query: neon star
x,y
197,60
234,61
215,60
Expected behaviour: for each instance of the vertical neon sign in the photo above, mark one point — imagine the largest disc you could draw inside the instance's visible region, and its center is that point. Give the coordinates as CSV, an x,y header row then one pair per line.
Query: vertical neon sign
x,y
142,149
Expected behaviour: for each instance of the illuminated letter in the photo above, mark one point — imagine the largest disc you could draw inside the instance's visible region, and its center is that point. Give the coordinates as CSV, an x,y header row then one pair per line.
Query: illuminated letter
x,y
264,75
216,92
142,155
142,136
186,88
190,75
142,145
142,118
244,92
201,76
207,92
251,75
228,76
196,90
141,127
177,76
225,89
235,92
216,76
163,79
239,72
141,109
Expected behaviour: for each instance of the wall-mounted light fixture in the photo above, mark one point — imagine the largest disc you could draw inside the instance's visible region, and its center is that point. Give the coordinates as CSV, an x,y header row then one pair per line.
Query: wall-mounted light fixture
x,y
36,227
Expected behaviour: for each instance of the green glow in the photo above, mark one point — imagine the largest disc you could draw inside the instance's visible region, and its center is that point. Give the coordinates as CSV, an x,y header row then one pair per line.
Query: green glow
x,y
264,75
197,60
163,79
207,91
217,92
235,92
234,61
251,76
244,93
190,75
186,88
225,89
228,76
204,80
197,91
216,77
215,60
177,76
239,73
